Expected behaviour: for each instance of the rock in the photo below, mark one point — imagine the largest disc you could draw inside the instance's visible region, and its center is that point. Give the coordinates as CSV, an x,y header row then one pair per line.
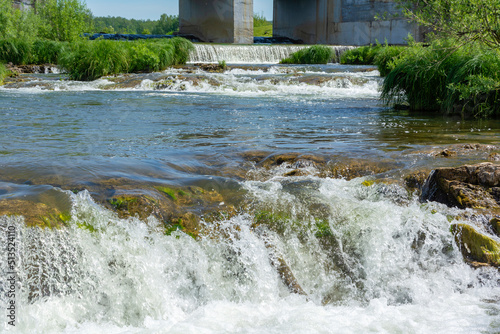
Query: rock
x,y
475,186
416,180
446,153
352,168
35,213
494,157
495,225
476,246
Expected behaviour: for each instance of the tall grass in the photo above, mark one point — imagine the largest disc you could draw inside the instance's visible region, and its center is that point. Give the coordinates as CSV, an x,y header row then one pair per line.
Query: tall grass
x,y
15,51
89,60
364,55
47,52
445,78
22,52
387,57
316,54
3,73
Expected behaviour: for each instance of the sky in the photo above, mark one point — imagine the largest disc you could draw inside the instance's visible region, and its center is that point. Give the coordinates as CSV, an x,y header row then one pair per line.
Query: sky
x,y
152,9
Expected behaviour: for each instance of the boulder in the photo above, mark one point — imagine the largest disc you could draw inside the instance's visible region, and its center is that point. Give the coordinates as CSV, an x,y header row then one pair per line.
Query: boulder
x,y
476,246
475,186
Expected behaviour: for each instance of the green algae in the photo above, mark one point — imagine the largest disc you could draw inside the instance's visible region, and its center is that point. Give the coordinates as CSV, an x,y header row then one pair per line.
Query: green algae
x,y
476,246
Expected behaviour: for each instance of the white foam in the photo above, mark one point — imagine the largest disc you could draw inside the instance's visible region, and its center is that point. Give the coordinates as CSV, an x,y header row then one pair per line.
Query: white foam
x,y
128,277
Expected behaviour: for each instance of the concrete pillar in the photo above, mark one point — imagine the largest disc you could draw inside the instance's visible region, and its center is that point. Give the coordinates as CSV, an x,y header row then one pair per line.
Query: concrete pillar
x,y
303,20
343,22
354,23
217,21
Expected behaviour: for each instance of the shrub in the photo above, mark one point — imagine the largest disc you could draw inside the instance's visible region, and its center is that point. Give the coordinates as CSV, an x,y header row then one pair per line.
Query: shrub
x,y
15,51
3,73
183,48
90,60
364,55
386,58
47,52
317,54
143,58
445,78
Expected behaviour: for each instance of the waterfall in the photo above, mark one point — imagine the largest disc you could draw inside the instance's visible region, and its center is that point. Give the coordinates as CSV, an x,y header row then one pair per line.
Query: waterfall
x,y
258,54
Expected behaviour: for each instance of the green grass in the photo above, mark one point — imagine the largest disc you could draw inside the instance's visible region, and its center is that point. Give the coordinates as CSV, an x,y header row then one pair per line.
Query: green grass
x,y
22,52
447,79
47,52
15,51
316,54
89,60
364,55
263,31
3,73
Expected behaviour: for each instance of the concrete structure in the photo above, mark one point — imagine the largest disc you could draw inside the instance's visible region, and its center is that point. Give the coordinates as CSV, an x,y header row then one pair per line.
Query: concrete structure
x,y
343,22
23,4
218,21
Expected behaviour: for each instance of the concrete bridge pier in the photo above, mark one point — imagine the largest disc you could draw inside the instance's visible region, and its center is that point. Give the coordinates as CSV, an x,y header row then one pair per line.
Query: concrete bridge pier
x,y
217,21
303,20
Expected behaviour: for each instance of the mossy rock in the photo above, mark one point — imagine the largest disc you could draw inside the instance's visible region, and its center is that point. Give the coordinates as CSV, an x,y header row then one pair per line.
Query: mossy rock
x,y
416,180
35,214
476,246
352,168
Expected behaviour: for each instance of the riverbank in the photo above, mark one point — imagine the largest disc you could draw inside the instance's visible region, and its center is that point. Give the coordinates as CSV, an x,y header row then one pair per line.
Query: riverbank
x,y
441,77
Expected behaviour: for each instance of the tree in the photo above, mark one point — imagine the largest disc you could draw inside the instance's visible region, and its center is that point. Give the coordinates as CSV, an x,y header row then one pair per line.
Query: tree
x,y
466,20
63,20
167,24
15,23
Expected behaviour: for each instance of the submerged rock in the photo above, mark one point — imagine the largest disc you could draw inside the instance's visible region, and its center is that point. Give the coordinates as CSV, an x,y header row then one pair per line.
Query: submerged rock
x,y
476,246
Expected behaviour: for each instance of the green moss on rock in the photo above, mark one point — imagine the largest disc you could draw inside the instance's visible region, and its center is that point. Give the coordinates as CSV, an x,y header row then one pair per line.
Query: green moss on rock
x,y
476,246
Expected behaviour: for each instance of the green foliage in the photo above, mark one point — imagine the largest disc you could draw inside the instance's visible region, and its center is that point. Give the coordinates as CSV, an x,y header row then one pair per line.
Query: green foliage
x,y
467,21
47,52
89,60
17,24
183,48
442,77
386,58
166,25
364,55
21,52
3,73
15,51
143,59
63,20
316,54
260,20
261,26
263,31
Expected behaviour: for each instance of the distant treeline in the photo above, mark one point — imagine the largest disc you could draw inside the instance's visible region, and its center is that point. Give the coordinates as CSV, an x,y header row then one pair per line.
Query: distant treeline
x,y
166,25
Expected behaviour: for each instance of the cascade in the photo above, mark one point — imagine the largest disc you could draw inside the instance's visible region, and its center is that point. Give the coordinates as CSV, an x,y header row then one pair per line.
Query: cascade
x,y
258,54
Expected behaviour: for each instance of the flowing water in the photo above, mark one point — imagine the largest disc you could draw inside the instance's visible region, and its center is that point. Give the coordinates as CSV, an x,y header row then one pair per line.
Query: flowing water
x,y
371,258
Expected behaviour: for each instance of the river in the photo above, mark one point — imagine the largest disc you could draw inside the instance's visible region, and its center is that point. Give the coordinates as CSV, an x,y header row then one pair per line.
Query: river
x,y
369,255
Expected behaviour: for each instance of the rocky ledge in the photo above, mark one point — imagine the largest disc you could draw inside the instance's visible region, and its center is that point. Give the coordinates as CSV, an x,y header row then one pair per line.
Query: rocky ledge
x,y
475,187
